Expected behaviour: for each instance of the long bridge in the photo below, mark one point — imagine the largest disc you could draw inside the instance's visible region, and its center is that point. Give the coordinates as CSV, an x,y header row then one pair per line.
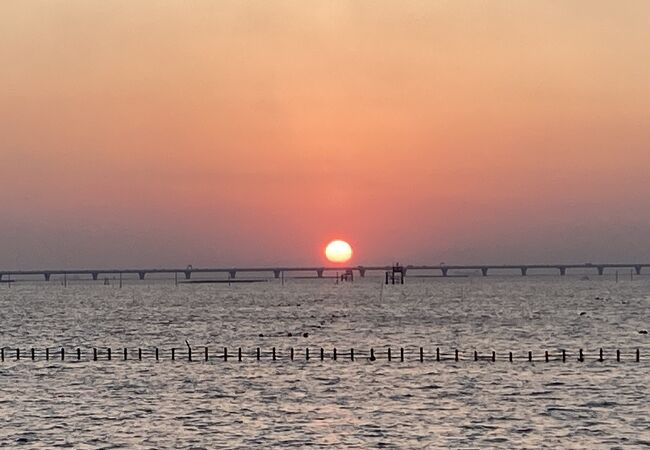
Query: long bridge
x,y
319,271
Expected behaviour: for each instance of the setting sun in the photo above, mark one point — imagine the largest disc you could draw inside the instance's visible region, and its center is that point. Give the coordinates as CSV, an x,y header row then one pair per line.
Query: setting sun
x,y
338,251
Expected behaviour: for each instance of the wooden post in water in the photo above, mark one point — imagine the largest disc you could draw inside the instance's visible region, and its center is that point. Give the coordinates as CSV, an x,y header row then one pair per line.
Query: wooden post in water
x,y
618,355
17,354
580,356
108,352
388,354
173,354
120,280
438,354
421,354
273,354
2,354
456,356
62,354
351,354
322,353
530,356
94,354
401,354
125,353
600,358
494,356
638,355
475,355
563,355
78,354
139,354
291,353
206,353
372,354
510,356
258,353
156,353
239,354
546,355
307,354
33,354
47,354
225,354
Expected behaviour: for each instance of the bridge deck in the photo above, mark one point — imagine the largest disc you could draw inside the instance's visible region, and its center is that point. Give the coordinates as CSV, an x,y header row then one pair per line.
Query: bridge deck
x,y
320,270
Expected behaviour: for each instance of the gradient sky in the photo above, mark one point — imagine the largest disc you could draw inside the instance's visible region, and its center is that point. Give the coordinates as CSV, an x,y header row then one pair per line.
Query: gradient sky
x,y
166,133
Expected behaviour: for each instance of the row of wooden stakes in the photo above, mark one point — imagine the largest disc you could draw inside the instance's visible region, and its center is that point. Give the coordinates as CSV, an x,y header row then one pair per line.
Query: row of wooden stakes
x,y
204,354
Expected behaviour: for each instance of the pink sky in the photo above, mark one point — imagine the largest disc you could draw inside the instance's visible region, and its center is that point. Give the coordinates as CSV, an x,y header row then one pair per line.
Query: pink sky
x,y
233,133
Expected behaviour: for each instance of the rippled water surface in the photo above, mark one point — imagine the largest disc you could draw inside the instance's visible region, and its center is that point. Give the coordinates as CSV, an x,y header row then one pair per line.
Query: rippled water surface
x,y
349,404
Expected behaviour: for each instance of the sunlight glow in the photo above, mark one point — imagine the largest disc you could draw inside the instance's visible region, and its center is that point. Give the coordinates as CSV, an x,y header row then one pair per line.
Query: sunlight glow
x,y
338,251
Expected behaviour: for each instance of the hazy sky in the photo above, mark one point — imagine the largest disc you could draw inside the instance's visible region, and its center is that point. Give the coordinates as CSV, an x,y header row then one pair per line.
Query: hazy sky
x,y
250,132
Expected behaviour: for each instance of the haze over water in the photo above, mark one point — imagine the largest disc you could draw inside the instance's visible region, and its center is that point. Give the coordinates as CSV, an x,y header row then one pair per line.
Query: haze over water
x,y
247,133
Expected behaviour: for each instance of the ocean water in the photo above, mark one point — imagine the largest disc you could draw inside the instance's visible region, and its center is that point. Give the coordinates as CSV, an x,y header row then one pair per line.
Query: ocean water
x,y
347,404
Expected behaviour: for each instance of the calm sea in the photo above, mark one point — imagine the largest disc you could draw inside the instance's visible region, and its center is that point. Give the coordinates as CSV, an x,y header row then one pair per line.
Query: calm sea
x,y
346,404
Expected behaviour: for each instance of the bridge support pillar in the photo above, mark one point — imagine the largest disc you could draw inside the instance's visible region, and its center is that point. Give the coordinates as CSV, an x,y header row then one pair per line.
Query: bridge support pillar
x,y
188,274
232,273
562,271
484,270
1,275
601,269
319,272
524,271
141,275
444,271
47,276
95,276
362,272
276,273
638,270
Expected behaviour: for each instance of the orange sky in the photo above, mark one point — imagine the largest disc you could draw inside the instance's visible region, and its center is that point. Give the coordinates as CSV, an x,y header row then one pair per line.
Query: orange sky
x,y
231,133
